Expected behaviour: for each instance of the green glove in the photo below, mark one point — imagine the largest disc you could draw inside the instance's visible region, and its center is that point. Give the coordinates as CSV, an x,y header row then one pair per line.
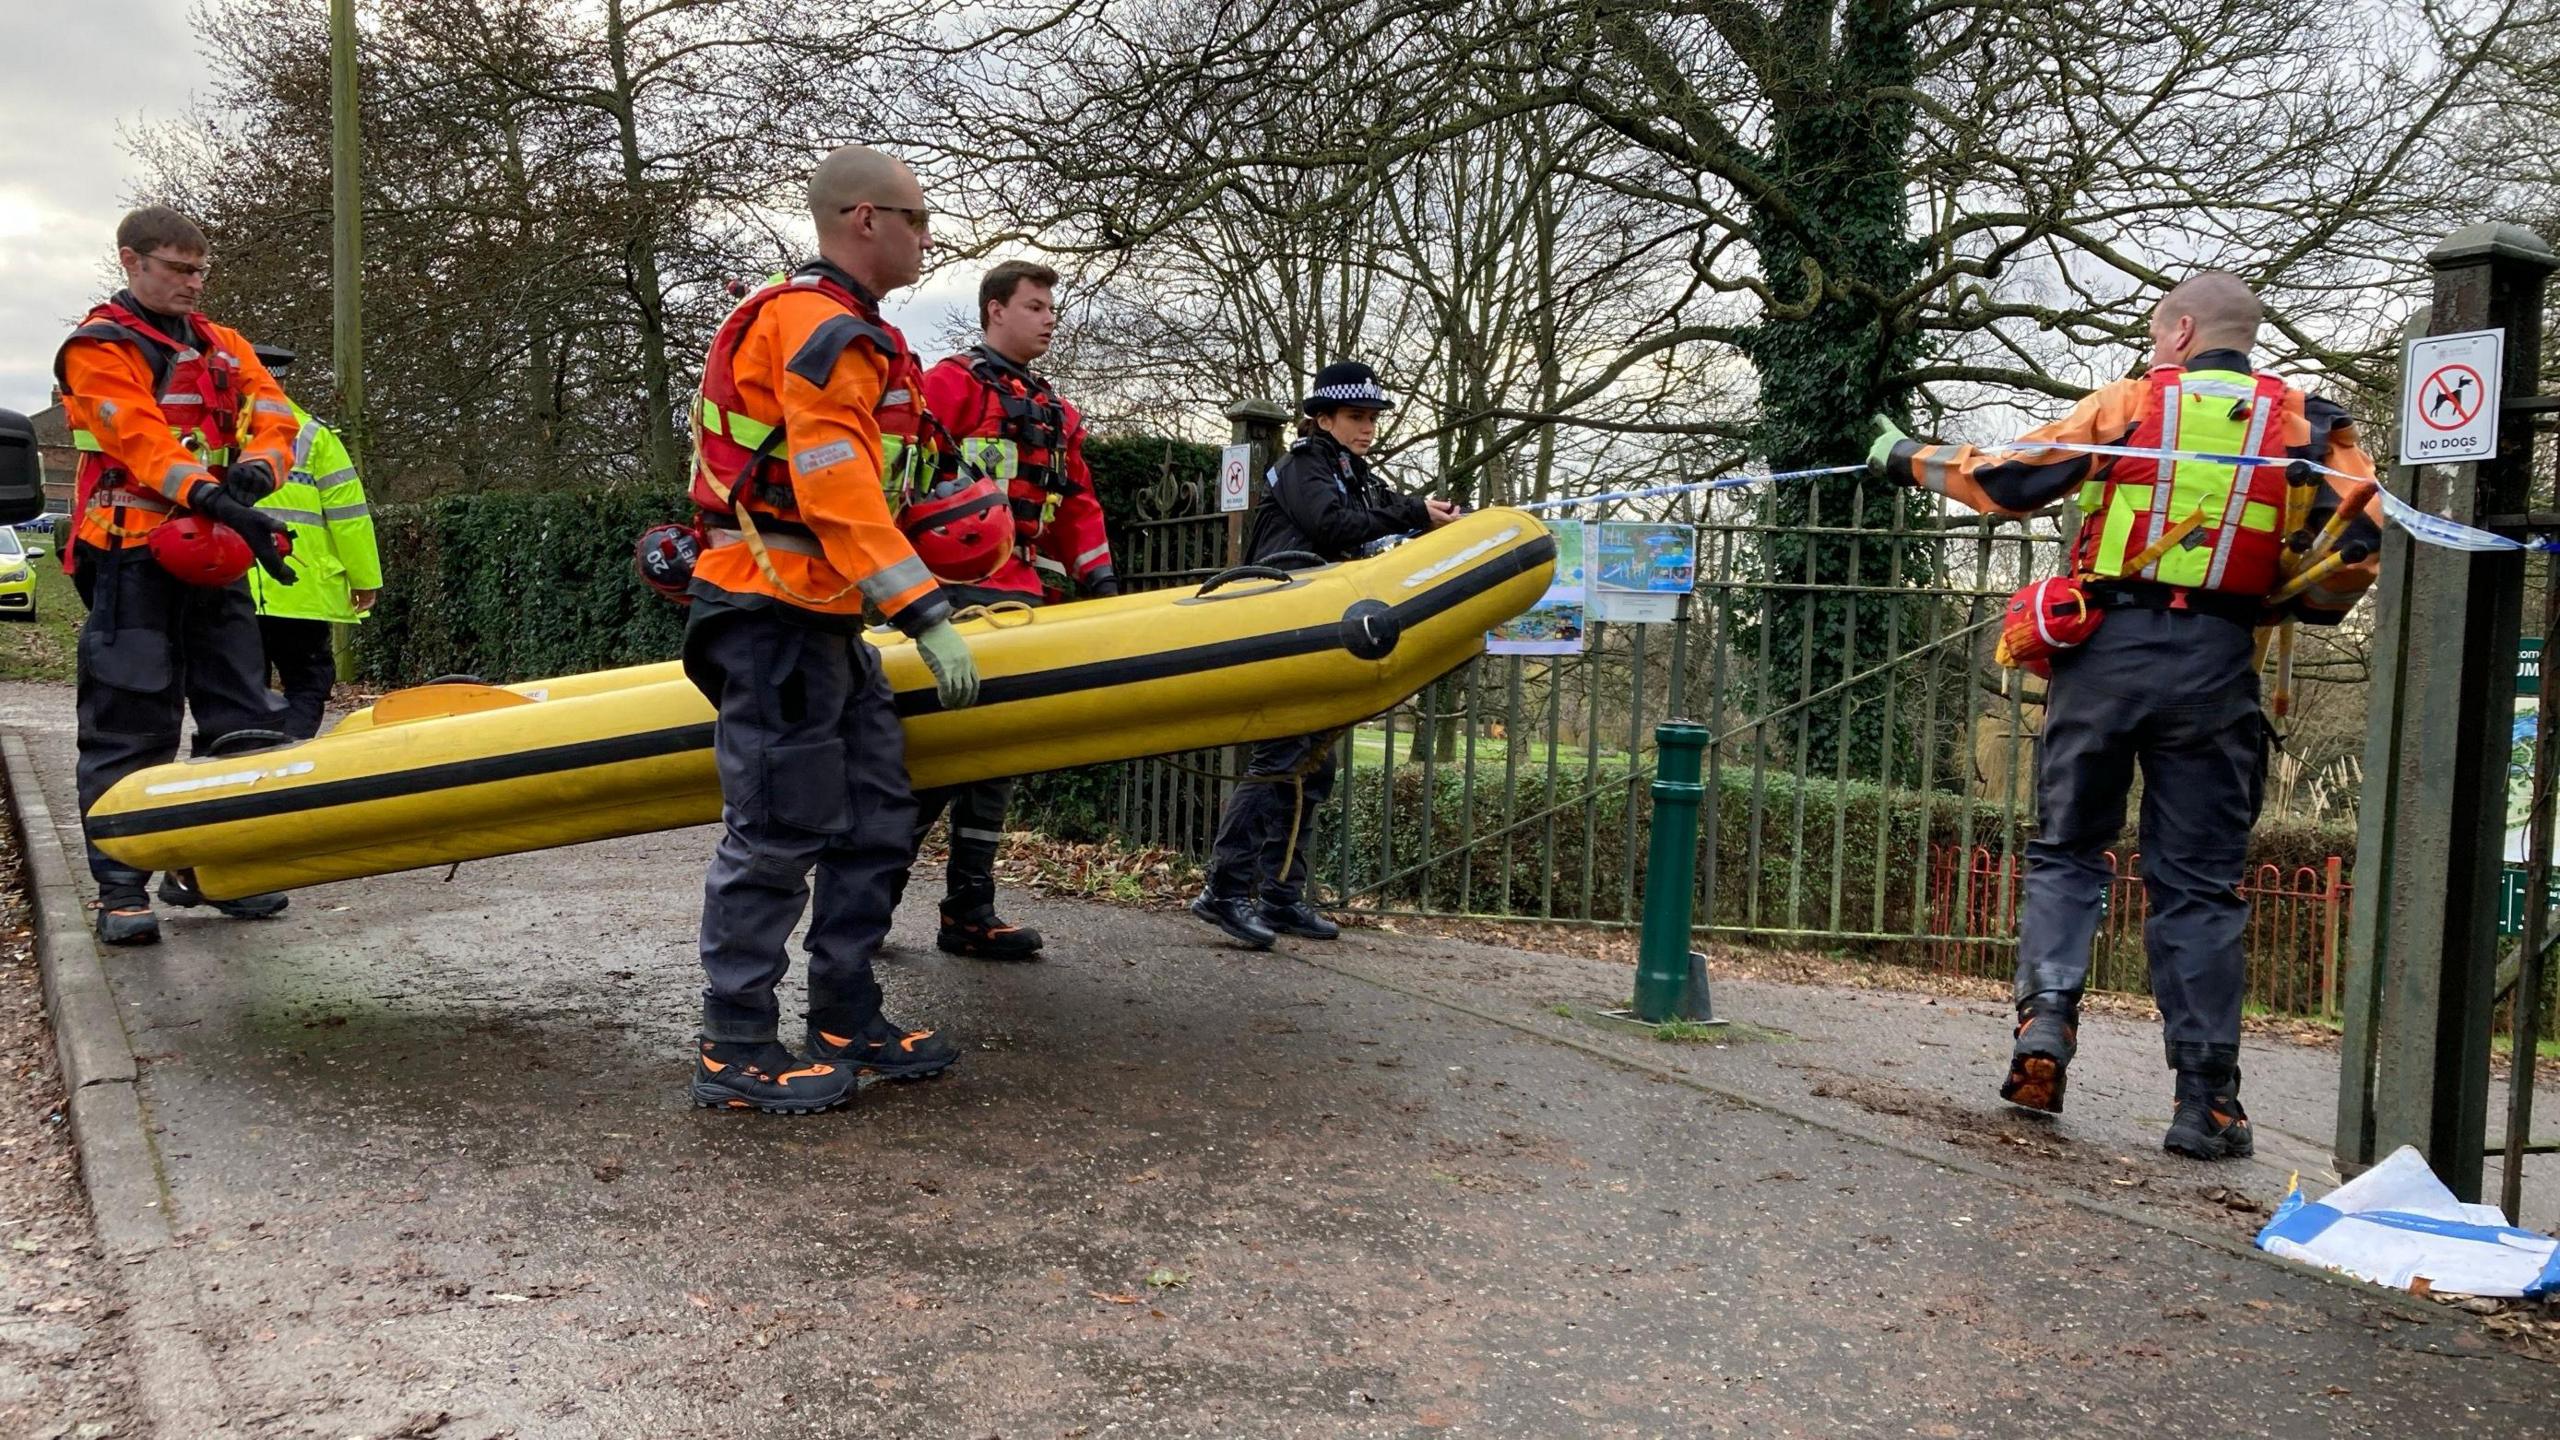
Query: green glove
x,y
955,675
1880,454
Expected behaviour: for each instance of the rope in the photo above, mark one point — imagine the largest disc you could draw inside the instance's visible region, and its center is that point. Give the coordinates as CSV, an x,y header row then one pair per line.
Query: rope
x,y
1316,756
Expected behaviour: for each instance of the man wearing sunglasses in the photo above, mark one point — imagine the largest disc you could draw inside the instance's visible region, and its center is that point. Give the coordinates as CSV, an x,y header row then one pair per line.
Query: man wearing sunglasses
x,y
810,403
175,418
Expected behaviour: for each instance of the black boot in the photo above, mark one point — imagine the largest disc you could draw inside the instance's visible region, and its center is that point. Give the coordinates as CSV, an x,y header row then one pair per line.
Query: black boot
x,y
1298,918
178,888
762,1075
1236,916
124,915
878,1049
2209,1123
971,927
2039,1063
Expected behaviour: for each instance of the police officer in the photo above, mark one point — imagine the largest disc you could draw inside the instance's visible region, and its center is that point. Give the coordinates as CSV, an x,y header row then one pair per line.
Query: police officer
x,y
2169,680
337,566
174,417
1013,427
1326,505
809,401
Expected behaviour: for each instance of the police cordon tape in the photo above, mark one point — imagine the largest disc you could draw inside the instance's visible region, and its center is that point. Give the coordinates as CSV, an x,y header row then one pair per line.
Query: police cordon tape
x,y
2423,527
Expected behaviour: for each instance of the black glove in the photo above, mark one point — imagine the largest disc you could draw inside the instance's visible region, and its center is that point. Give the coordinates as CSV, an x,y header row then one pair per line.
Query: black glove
x,y
215,502
1101,583
248,481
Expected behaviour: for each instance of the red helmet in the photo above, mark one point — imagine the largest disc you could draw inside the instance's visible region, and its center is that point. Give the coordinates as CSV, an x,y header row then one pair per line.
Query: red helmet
x,y
962,529
201,551
665,556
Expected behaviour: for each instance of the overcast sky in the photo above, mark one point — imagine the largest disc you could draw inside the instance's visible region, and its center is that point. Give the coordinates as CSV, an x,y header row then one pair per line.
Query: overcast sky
x,y
66,175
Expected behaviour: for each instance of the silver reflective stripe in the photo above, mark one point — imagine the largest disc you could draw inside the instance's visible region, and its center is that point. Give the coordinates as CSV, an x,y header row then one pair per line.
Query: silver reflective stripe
x,y
2228,390
302,439
2164,480
2237,505
291,517
796,544
346,512
335,477
895,581
1934,468
182,398
1098,552
272,407
819,457
990,837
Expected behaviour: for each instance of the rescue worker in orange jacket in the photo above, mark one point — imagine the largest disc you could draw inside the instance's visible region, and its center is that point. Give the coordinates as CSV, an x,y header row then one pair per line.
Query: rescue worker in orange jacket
x,y
174,418
810,402
1013,427
2181,558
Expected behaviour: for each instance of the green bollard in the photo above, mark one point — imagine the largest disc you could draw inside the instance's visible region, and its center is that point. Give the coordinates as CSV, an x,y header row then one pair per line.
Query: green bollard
x,y
1667,978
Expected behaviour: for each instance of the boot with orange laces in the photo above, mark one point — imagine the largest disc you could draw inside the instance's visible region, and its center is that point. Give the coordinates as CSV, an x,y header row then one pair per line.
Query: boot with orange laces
x,y
2209,1123
2048,1036
762,1075
877,1049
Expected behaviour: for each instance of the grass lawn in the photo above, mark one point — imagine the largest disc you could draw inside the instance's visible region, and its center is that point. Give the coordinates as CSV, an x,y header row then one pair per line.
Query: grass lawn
x,y
47,648
1370,745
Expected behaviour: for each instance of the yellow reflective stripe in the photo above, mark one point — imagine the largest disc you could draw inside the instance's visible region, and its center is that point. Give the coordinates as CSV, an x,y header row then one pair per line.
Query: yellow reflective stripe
x,y
2260,516
83,440
746,430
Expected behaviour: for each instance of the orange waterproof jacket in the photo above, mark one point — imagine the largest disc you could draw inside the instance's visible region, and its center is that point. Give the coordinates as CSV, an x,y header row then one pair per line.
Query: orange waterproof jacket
x,y
790,428
154,414
2021,479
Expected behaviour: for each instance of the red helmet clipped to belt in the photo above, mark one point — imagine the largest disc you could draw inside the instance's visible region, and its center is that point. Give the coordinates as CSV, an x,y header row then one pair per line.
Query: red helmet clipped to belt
x,y
2045,617
665,555
962,529
203,552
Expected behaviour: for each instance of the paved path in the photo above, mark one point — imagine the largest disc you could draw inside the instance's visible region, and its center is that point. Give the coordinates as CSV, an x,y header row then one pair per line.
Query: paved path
x,y
427,1155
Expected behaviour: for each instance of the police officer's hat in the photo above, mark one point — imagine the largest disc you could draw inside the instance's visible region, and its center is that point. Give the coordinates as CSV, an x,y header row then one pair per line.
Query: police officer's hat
x,y
1346,385
274,357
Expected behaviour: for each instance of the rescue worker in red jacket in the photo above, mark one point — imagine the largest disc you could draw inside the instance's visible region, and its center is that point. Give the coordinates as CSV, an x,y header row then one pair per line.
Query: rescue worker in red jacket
x,y
2169,681
810,401
1013,427
174,417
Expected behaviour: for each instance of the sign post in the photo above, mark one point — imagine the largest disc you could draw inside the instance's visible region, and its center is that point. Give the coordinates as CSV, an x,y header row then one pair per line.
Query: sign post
x,y
2449,391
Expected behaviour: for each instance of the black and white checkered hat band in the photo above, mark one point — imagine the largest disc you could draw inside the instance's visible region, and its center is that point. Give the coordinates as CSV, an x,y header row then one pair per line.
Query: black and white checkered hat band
x,y
1365,392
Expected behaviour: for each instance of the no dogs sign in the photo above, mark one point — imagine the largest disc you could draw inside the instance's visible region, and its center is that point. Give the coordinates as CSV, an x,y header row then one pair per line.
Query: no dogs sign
x,y
2449,387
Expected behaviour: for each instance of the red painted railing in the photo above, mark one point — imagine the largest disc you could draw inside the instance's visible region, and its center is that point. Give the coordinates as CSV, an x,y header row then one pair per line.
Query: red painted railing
x,y
2297,920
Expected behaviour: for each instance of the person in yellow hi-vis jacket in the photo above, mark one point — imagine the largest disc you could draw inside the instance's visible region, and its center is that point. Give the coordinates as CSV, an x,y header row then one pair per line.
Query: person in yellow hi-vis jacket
x,y
335,560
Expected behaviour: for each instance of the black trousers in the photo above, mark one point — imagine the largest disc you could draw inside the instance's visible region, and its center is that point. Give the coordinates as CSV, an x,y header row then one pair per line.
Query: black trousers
x,y
977,828
305,667
153,648
1254,833
813,777
2176,694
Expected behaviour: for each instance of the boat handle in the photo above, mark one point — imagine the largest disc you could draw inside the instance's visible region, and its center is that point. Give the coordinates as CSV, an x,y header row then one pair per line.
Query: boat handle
x,y
1242,572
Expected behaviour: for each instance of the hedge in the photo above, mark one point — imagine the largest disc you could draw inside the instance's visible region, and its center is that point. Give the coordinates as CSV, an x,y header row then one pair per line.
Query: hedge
x,y
520,585
1791,881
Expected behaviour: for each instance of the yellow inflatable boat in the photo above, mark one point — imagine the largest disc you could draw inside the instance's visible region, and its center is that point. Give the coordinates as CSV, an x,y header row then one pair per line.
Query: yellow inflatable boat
x,y
462,772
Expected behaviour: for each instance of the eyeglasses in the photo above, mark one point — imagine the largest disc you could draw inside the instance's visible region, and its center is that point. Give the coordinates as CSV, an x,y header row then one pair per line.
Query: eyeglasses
x,y
197,270
916,218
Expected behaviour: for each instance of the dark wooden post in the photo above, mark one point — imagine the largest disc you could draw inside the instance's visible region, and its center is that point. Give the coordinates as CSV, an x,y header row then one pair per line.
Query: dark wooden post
x,y
2423,936
1262,424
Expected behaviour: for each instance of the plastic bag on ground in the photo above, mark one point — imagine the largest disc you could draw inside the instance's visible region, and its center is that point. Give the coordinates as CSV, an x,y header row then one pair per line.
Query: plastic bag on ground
x,y
2397,1224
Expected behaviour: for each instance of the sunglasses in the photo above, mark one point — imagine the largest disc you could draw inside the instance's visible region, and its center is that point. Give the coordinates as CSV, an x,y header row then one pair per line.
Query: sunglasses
x,y
915,218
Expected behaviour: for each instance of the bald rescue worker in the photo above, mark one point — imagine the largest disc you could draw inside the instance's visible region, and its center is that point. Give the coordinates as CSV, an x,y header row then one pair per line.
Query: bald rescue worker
x,y
809,398
2169,679
173,416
